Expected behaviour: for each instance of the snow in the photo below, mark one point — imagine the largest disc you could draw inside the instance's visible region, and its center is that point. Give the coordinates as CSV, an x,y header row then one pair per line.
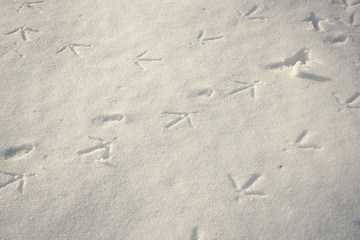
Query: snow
x,y
180,119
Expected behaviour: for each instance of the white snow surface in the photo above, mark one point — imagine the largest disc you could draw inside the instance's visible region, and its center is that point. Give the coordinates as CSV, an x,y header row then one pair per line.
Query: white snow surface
x,y
179,119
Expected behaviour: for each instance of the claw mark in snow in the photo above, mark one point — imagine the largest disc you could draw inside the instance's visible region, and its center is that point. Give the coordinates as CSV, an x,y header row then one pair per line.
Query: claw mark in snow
x,y
247,184
251,10
301,136
352,99
102,145
22,31
254,177
72,47
14,177
250,13
251,86
299,140
181,116
202,40
350,103
30,5
139,58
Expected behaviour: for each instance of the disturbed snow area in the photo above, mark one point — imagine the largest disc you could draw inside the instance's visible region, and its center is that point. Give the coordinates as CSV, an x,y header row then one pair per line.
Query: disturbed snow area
x,y
180,119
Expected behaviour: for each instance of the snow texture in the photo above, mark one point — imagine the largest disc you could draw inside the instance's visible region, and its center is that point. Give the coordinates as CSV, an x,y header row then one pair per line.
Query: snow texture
x,y
190,120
